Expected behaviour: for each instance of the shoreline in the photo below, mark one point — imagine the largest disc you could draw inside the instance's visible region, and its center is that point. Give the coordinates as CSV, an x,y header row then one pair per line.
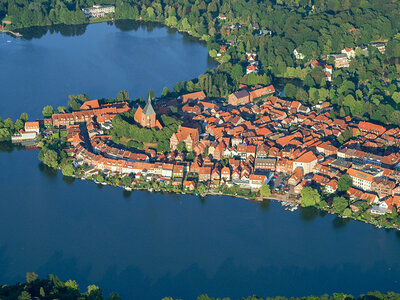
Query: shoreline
x,y
273,197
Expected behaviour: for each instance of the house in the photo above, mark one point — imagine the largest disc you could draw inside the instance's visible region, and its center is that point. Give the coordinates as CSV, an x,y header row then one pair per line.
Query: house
x,y
240,97
262,92
189,185
265,164
178,171
300,186
297,177
97,11
190,136
361,179
146,117
341,60
215,174
204,174
226,173
368,127
256,181
32,127
306,161
251,69
383,187
350,53
380,46
298,55
91,104
192,96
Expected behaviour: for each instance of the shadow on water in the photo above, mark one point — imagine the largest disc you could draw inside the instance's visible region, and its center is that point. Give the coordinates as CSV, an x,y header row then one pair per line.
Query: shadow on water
x,y
126,194
68,180
308,213
265,205
65,30
339,222
46,170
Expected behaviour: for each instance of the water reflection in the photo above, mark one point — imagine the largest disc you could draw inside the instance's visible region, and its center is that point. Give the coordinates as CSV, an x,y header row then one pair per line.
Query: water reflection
x,y
339,222
46,170
68,179
65,30
265,205
308,213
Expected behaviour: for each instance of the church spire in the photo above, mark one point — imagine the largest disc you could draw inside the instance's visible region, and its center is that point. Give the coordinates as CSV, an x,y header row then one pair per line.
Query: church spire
x,y
148,109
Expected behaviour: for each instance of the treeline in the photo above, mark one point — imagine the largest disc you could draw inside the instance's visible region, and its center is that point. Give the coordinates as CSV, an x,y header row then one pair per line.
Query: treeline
x,y
54,288
51,288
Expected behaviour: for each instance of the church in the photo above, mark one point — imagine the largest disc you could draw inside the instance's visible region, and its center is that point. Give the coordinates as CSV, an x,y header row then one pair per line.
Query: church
x,y
146,117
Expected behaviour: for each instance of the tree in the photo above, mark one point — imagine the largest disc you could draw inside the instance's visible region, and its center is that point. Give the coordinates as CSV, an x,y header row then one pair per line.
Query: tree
x,y
61,109
114,296
344,183
72,284
265,191
49,157
68,170
290,90
165,92
122,96
340,204
24,117
31,277
48,111
127,180
309,197
24,296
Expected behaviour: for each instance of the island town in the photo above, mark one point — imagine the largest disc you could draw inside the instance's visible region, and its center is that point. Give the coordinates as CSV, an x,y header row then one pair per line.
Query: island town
x,y
247,146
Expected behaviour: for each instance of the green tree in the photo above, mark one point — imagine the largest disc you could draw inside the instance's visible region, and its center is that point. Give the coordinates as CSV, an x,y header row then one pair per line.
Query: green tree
x,y
48,111
114,296
344,183
265,191
309,197
122,96
24,117
24,296
31,277
340,204
72,284
237,73
290,90
68,170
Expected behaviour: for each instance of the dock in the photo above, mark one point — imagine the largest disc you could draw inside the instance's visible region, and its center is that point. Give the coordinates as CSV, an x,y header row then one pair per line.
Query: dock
x,y
16,34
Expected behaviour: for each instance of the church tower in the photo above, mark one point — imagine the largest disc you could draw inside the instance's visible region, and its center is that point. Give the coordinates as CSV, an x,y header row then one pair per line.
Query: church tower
x,y
146,116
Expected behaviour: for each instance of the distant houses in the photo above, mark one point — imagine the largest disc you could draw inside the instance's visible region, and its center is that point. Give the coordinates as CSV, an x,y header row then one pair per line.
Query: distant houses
x,y
97,11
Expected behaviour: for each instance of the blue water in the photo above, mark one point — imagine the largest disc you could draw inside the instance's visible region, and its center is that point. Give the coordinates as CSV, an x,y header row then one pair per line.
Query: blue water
x,y
100,62
148,246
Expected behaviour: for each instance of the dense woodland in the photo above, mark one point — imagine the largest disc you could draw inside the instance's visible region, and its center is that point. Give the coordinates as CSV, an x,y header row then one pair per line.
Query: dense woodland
x,y
368,90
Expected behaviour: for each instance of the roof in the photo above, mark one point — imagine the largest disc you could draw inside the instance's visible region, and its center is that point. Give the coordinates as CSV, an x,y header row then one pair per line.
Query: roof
x,y
360,174
148,109
307,157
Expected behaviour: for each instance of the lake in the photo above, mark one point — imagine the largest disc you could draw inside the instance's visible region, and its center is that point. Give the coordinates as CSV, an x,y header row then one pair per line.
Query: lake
x,y
98,60
148,246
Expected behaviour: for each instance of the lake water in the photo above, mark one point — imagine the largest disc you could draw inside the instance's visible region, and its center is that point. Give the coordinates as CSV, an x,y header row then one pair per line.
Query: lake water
x,y
148,246
98,60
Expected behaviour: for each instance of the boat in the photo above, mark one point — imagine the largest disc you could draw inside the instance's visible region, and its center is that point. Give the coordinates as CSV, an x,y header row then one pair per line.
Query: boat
x,y
104,183
127,188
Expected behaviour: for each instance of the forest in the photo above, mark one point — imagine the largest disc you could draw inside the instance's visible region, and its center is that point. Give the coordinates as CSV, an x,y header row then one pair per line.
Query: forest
x,y
368,89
